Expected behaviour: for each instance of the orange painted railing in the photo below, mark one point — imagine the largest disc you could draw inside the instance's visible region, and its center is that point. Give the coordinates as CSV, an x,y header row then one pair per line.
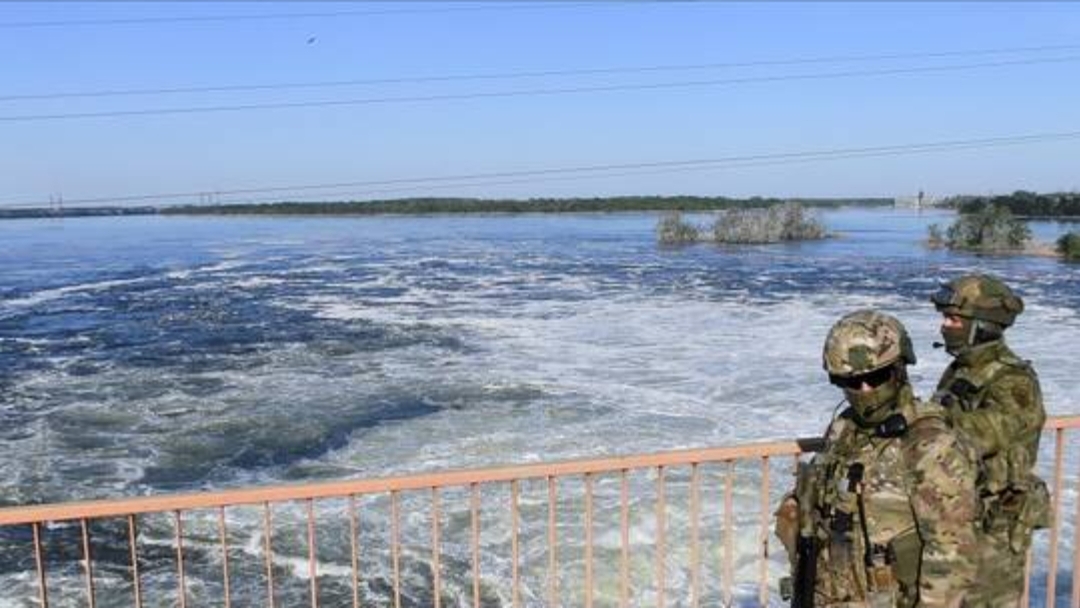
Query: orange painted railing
x,y
674,528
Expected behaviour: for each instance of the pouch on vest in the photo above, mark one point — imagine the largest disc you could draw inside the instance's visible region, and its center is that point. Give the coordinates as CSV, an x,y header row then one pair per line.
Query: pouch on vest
x,y
905,551
881,599
1034,513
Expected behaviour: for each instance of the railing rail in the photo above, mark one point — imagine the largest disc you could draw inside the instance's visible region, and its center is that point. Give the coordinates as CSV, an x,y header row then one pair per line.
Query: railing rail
x,y
673,533
284,493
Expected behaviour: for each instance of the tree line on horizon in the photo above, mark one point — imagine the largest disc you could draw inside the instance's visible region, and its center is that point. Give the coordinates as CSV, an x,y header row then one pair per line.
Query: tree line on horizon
x,y
1021,203
437,205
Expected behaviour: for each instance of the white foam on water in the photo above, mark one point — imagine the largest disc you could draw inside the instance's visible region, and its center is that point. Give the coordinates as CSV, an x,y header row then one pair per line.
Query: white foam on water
x,y
217,267
616,370
48,295
255,282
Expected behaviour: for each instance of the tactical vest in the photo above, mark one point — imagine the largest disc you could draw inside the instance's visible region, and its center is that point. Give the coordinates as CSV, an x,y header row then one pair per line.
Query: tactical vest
x,y
1015,500
963,389
870,545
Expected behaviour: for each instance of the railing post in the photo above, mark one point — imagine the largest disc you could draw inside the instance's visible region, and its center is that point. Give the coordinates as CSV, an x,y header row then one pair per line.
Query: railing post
x,y
1076,551
695,541
354,550
224,556
436,522
181,582
661,548
395,548
729,535
588,540
1055,530
624,539
474,518
1025,598
268,550
313,562
43,592
553,549
88,563
763,573
136,584
515,550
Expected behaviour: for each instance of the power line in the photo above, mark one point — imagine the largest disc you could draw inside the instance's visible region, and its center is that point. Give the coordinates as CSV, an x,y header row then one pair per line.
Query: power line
x,y
614,170
531,92
689,169
748,163
534,74
307,15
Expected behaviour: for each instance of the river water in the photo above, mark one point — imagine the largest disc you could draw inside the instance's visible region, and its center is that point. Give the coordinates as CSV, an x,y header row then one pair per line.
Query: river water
x,y
159,354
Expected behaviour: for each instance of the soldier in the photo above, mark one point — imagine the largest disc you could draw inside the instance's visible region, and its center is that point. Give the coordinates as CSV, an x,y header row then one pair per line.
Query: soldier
x,y
993,396
884,516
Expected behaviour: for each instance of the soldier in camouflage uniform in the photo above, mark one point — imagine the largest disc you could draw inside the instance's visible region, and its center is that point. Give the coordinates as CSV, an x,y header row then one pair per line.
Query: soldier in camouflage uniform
x,y
884,516
993,397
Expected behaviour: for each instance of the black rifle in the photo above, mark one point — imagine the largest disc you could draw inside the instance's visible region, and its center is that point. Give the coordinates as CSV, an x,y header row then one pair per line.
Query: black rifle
x,y
805,572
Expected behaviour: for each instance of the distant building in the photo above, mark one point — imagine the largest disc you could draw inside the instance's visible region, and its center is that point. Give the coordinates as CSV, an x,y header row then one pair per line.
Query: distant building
x,y
920,201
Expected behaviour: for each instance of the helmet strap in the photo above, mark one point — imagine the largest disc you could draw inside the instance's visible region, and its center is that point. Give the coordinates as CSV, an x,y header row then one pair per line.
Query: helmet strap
x,y
973,327
985,331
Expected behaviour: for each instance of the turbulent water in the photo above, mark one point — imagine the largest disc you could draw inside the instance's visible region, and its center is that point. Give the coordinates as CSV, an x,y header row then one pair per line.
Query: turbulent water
x,y
152,354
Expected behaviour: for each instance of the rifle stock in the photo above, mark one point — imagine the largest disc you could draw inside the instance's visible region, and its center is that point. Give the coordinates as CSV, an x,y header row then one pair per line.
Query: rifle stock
x,y
805,573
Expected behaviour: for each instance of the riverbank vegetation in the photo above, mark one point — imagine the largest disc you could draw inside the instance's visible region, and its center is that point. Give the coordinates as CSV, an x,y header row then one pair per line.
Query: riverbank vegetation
x,y
787,221
1021,203
533,205
40,212
437,205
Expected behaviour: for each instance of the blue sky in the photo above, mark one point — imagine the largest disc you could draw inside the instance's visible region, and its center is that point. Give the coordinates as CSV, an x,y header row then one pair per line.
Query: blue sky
x,y
194,152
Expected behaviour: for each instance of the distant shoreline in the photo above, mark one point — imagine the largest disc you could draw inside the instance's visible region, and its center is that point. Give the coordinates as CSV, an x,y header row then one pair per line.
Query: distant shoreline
x,y
74,212
432,206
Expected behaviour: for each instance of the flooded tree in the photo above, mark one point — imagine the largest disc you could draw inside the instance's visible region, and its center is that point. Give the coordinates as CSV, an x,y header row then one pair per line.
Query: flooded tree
x,y
992,228
673,229
785,222
935,238
1068,245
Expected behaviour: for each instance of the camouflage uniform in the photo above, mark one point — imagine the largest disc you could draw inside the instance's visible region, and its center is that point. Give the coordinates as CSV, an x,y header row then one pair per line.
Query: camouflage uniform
x,y
890,501
993,397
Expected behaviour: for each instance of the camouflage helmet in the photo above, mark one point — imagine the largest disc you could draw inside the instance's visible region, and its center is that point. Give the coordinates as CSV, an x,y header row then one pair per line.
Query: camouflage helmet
x,y
865,341
979,296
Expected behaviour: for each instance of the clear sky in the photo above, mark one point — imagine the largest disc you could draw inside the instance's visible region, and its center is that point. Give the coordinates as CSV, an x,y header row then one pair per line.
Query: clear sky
x,y
977,86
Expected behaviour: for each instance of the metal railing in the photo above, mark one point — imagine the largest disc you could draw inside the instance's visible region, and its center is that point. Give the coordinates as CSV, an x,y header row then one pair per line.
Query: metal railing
x,y
674,528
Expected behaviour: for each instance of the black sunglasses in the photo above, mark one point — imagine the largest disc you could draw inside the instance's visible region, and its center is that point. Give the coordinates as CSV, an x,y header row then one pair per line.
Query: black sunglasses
x,y
872,379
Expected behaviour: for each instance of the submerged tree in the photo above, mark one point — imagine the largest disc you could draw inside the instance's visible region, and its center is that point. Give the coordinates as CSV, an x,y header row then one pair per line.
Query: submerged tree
x,y
992,228
785,222
935,237
1069,246
674,230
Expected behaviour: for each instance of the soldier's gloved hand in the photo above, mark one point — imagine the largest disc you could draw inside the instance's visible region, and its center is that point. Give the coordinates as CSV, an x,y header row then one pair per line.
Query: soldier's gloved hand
x,y
787,524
